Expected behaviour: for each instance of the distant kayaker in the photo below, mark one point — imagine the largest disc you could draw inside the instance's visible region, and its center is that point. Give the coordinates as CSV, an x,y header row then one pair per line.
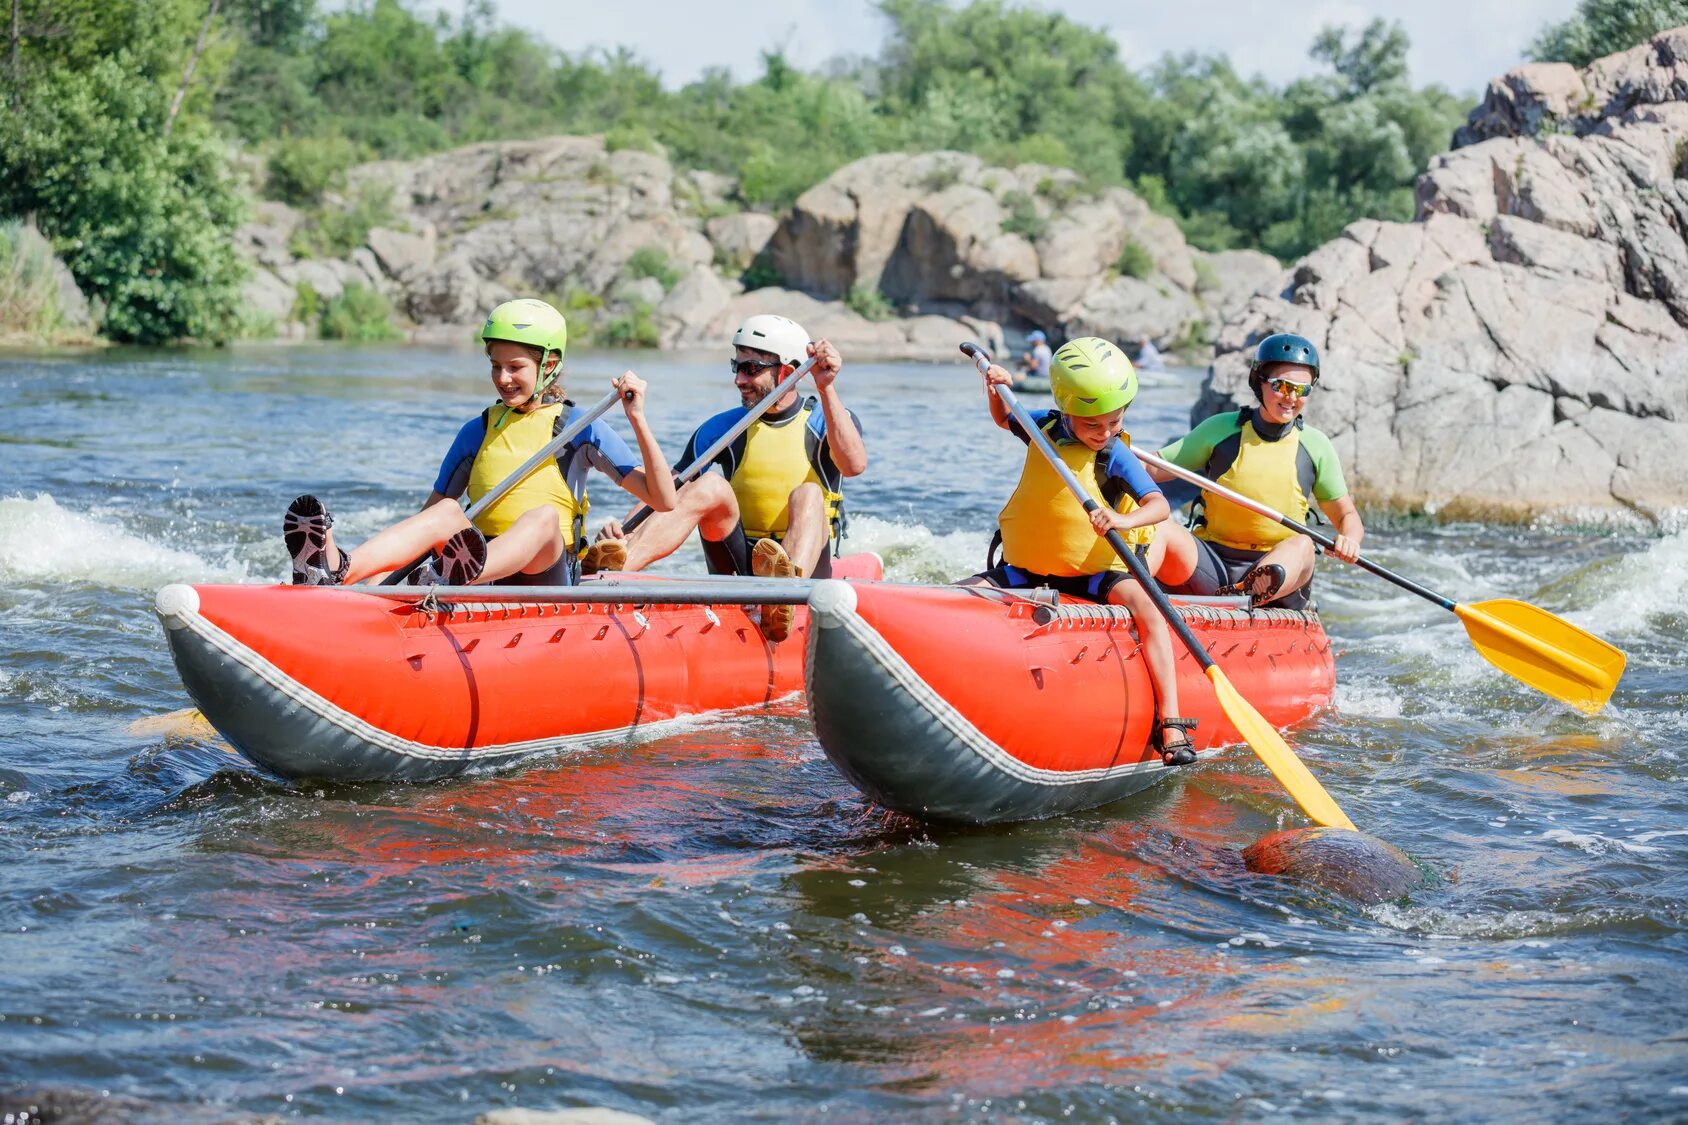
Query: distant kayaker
x,y
1048,539
1148,356
536,529
774,508
1037,357
1268,454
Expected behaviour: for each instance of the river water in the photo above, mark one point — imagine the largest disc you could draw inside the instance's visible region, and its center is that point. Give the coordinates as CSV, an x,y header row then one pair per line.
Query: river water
x,y
713,926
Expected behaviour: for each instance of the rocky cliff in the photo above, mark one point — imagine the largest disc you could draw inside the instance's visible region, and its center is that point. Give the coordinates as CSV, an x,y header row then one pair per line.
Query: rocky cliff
x,y
897,255
1521,347
1032,245
609,236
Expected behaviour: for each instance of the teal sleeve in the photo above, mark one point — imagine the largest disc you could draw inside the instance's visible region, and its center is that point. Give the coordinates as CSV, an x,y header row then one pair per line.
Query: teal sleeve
x,y
1193,449
1328,484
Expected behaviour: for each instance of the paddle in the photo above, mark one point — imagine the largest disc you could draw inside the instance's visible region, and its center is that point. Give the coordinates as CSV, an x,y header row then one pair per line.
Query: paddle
x,y
702,460
1260,735
1526,642
572,431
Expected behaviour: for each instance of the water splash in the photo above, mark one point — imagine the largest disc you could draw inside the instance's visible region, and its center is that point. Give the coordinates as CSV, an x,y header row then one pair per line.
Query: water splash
x,y
914,553
42,541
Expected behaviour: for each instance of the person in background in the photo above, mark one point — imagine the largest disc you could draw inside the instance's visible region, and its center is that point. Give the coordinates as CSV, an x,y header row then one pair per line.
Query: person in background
x,y
1037,356
1148,356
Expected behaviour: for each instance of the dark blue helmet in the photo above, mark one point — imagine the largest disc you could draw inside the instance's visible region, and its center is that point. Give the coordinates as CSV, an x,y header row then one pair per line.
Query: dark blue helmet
x,y
1286,347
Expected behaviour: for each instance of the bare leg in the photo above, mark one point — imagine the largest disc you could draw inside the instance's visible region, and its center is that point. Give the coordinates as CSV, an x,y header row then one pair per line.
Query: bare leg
x,y
402,543
1156,636
1172,553
1295,555
807,534
532,545
706,504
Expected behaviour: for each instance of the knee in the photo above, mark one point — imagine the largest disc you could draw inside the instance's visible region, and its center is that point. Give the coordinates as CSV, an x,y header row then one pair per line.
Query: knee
x,y
807,498
709,492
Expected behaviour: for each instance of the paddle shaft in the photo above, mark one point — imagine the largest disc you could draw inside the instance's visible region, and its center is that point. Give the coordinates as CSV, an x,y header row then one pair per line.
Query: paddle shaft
x,y
702,460
1255,506
1115,540
550,450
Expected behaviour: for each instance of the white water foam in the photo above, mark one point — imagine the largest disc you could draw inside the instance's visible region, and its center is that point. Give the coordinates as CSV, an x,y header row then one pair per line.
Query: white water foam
x,y
40,541
1639,588
913,553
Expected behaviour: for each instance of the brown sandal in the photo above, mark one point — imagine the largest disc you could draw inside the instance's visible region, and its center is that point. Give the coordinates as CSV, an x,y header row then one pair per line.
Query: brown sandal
x,y
1180,751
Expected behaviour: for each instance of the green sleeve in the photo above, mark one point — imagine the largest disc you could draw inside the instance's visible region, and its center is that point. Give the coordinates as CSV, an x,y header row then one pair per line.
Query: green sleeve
x,y
1193,449
1328,484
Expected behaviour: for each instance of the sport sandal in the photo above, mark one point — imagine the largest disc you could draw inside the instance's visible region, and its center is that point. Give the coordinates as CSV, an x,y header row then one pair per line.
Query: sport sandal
x,y
304,530
769,560
1177,749
605,554
458,562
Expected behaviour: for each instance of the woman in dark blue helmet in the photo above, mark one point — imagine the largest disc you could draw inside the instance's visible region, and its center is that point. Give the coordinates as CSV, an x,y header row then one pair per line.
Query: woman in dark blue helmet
x,y
1268,454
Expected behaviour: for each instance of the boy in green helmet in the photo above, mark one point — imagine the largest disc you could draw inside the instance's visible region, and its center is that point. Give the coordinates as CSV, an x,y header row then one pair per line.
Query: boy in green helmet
x,y
533,533
1048,539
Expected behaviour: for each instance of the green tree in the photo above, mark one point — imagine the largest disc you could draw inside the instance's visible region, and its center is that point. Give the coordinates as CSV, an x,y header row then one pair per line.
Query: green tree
x,y
1602,27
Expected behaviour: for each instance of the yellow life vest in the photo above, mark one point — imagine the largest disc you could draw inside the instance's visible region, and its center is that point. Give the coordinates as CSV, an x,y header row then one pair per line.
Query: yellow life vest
x,y
774,462
1044,528
510,439
1264,471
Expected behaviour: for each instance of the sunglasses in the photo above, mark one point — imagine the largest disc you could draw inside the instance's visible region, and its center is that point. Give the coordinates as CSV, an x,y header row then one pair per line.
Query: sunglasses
x,y
1290,387
751,366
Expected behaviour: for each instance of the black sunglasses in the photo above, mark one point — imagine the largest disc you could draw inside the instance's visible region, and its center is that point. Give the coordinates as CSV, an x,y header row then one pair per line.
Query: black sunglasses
x,y
751,366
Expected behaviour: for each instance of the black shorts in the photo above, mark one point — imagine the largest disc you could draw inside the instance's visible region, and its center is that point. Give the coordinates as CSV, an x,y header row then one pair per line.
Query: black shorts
x,y
1218,566
1095,587
732,555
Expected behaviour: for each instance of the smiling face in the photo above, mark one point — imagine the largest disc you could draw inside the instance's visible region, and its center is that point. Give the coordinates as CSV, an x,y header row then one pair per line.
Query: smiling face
x,y
1276,406
755,374
1096,432
515,371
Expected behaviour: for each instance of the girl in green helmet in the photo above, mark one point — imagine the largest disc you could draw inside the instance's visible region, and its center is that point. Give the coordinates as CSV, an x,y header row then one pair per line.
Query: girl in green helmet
x,y
1048,539
534,532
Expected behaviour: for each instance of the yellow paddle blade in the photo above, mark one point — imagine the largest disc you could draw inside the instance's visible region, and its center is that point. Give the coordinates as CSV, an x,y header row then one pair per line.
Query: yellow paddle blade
x,y
186,723
1263,738
1545,651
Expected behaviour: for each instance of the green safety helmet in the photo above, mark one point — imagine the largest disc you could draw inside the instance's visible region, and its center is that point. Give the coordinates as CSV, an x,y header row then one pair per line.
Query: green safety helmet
x,y
1090,376
530,321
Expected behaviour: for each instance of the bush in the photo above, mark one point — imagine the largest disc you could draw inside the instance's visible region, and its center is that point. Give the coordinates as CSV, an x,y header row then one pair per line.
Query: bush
x,y
29,288
635,329
868,301
359,314
1134,261
334,232
651,262
1023,218
145,224
301,169
761,274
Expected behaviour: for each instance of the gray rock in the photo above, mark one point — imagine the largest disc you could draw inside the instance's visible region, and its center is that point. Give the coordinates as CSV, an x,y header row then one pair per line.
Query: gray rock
x,y
1521,348
685,314
639,291
401,253
269,296
739,239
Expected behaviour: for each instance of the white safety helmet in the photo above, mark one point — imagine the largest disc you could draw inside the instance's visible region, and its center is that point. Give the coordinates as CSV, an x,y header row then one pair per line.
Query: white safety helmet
x,y
780,335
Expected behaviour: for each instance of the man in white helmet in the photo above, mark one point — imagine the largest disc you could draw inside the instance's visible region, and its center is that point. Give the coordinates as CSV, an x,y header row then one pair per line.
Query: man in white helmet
x,y
772,510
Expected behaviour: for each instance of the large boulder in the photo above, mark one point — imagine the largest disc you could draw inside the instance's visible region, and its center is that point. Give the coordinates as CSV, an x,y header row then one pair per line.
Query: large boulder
x,y
946,232
1521,347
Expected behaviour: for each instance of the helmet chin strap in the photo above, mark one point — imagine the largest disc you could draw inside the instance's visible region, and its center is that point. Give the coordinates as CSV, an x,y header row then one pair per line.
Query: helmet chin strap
x,y
539,388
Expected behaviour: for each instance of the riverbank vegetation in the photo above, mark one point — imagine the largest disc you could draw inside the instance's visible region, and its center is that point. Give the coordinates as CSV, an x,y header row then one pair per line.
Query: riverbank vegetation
x,y
137,130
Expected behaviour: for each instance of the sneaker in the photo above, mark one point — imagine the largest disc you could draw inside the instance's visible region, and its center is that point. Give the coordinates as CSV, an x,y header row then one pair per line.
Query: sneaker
x,y
606,554
769,560
306,531
458,562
